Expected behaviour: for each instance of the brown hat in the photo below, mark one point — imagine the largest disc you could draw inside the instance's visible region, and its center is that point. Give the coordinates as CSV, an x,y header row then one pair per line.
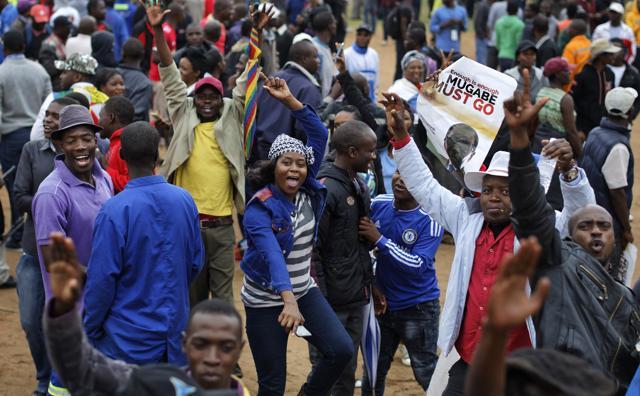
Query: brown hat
x,y
73,116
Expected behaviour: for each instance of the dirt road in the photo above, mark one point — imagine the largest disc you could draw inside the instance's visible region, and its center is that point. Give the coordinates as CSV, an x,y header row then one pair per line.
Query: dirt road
x,y
17,374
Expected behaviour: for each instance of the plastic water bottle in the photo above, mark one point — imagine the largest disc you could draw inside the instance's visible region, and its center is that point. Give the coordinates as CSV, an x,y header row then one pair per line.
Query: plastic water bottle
x,y
546,166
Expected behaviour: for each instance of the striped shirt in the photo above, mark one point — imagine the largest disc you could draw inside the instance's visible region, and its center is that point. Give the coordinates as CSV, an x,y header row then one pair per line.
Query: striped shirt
x,y
254,295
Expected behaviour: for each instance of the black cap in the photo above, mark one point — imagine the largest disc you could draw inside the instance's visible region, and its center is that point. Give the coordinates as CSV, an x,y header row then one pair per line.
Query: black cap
x,y
166,380
61,21
73,116
365,27
526,45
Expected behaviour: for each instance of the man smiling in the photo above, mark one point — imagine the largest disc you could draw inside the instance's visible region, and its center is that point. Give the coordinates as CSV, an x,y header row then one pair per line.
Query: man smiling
x,y
69,199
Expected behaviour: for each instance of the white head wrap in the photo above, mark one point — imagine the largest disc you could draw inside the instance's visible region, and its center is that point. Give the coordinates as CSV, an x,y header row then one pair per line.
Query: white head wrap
x,y
287,144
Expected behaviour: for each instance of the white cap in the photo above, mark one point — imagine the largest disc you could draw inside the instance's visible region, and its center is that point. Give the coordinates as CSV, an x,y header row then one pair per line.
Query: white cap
x,y
617,7
619,100
301,37
499,166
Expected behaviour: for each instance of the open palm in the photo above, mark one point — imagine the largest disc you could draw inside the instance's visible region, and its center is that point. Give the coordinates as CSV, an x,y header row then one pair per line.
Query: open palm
x,y
155,12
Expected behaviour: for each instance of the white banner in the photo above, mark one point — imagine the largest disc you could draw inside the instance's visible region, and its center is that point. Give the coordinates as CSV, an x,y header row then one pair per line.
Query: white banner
x,y
463,112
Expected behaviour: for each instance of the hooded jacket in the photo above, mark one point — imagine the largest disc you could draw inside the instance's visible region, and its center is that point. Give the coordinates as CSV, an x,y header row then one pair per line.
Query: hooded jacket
x,y
342,262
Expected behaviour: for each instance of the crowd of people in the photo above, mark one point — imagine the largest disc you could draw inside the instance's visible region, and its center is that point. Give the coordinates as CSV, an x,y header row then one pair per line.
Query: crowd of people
x,y
134,136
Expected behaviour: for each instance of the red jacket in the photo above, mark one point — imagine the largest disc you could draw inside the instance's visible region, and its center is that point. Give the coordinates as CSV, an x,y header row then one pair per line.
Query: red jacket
x,y
116,167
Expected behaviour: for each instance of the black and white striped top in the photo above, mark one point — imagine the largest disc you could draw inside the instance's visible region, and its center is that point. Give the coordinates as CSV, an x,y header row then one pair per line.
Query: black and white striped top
x,y
298,261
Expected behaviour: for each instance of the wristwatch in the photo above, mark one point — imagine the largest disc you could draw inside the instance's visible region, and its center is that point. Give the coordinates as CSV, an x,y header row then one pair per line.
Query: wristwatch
x,y
572,173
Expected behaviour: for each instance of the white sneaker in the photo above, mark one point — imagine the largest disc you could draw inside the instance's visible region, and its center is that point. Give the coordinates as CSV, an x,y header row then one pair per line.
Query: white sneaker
x,y
404,355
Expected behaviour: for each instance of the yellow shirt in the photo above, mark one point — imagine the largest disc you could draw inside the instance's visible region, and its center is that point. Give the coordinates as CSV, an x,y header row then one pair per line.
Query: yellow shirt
x,y
206,174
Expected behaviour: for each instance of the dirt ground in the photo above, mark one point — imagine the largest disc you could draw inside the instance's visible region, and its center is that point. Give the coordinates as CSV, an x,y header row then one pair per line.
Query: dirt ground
x,y
17,373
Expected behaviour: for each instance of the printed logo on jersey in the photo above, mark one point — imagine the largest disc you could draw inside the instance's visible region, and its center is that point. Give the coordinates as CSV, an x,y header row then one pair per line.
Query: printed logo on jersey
x,y
409,236
351,201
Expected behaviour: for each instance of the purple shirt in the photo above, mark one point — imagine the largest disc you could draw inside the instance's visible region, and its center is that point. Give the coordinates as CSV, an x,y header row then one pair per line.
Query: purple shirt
x,y
68,205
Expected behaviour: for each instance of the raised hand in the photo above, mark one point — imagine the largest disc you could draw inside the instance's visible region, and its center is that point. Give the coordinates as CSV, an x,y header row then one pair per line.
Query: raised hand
x,y
445,61
65,273
278,88
509,305
394,108
561,150
520,115
340,63
155,12
261,15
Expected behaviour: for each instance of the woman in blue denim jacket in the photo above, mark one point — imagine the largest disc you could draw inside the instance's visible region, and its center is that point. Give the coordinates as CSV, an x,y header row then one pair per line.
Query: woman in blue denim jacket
x,y
278,292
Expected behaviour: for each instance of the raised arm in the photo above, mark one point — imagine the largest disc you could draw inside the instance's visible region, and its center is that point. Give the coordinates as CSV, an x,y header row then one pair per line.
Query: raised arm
x,y
442,205
175,90
531,214
249,78
354,96
83,369
315,130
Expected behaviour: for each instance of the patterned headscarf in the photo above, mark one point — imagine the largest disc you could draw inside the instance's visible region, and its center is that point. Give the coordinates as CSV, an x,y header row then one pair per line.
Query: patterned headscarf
x,y
287,144
411,56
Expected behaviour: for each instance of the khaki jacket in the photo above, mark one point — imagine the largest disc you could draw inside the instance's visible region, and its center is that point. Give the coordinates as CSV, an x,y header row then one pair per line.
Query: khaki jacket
x,y
228,129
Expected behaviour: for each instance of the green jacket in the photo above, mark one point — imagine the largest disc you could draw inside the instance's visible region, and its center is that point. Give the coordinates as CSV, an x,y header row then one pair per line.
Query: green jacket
x,y
509,30
228,129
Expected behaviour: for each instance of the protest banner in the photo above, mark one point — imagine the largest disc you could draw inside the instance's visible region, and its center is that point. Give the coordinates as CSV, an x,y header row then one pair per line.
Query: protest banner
x,y
463,111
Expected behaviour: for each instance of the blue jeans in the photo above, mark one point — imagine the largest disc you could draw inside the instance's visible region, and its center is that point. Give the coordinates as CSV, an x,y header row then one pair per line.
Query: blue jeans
x,y
417,327
371,13
31,306
10,150
268,342
482,47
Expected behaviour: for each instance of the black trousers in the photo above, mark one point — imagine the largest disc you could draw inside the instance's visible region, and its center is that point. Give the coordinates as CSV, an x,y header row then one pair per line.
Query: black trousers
x,y
457,377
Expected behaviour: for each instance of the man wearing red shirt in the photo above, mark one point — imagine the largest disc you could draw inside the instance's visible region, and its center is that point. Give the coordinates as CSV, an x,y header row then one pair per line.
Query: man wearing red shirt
x,y
223,13
483,233
116,114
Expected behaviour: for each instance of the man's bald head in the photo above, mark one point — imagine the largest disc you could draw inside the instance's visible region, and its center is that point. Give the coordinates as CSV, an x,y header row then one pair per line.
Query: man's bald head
x,y
212,30
355,144
361,82
87,25
591,227
577,27
305,54
587,211
351,134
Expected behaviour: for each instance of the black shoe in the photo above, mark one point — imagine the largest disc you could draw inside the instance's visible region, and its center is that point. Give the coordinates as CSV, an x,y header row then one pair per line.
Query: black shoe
x,y
13,244
303,390
10,283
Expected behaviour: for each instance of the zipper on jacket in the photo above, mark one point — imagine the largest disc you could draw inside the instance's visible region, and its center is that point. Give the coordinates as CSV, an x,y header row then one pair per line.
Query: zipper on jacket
x,y
616,308
615,357
596,280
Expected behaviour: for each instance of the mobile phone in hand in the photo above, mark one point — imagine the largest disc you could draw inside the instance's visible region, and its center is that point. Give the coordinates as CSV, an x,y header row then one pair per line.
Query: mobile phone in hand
x,y
302,331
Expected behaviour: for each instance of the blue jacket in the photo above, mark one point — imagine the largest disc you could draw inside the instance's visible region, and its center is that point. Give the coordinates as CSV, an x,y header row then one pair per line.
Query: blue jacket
x,y
146,251
267,218
274,118
120,31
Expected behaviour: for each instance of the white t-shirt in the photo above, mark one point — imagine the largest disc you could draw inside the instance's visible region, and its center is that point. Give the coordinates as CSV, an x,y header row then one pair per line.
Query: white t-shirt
x,y
615,167
618,71
367,64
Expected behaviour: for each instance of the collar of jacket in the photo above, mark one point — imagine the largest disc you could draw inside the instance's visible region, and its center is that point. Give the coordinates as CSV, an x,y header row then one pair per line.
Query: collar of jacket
x,y
302,70
606,123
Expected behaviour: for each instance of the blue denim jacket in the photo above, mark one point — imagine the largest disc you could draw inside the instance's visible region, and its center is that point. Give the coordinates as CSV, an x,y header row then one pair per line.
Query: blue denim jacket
x,y
267,218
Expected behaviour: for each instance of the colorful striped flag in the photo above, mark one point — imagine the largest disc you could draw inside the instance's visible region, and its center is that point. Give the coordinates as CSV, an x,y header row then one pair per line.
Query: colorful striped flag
x,y
251,99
